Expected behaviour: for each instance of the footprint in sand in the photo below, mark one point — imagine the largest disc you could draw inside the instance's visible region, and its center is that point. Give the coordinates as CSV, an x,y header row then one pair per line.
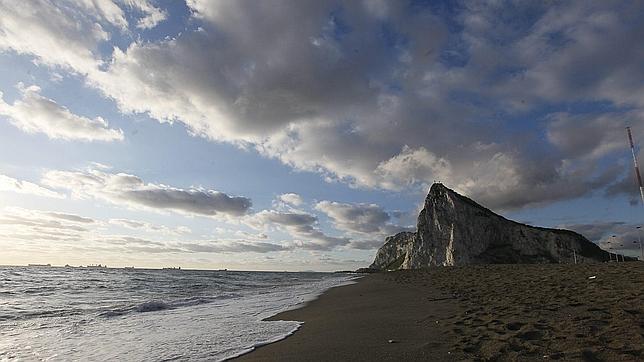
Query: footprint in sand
x,y
531,335
514,326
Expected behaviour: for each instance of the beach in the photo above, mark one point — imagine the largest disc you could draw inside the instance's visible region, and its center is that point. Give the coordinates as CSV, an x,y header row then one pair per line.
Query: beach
x,y
589,312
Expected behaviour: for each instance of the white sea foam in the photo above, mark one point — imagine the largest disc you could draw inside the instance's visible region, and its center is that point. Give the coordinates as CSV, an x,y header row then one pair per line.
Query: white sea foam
x,y
149,316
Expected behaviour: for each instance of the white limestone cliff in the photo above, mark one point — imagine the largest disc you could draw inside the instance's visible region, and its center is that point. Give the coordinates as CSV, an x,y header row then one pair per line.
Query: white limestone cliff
x,y
454,230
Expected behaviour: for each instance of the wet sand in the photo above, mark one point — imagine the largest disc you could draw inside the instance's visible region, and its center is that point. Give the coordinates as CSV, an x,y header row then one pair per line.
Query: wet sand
x,y
490,312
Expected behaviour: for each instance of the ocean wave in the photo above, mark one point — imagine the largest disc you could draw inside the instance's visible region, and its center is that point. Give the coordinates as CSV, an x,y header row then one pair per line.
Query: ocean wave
x,y
48,313
113,313
152,306
157,305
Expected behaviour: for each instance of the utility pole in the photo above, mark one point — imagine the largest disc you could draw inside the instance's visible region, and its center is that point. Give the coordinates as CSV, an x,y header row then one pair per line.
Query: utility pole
x,y
639,240
635,163
574,255
639,183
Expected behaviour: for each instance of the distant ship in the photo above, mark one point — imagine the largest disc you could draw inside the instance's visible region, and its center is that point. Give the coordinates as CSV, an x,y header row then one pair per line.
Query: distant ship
x,y
222,270
128,267
99,266
171,268
39,265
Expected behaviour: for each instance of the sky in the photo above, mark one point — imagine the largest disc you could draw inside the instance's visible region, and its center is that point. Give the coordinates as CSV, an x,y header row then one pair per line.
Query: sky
x,y
297,135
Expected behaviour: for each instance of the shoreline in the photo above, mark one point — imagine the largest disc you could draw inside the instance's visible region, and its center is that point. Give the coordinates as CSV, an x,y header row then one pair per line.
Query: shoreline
x,y
508,312
303,304
357,321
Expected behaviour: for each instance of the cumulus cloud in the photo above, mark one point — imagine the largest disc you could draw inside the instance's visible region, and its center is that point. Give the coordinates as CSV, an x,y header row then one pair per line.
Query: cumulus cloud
x,y
411,167
359,218
301,226
113,12
130,190
291,199
104,9
25,187
67,39
151,15
37,114
375,94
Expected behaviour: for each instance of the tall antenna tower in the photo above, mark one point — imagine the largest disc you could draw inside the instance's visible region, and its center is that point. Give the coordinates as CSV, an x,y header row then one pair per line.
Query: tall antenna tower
x,y
637,168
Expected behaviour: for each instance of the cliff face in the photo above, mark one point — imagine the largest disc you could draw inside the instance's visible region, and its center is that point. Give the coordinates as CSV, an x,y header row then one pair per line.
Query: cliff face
x,y
454,230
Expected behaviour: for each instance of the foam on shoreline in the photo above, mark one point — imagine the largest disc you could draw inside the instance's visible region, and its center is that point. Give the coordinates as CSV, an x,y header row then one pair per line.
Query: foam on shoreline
x,y
307,299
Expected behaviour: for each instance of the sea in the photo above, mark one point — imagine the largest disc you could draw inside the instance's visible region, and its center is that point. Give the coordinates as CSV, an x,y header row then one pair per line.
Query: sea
x,y
88,314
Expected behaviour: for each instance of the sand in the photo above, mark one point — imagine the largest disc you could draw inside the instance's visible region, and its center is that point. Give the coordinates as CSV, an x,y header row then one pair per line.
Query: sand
x,y
491,312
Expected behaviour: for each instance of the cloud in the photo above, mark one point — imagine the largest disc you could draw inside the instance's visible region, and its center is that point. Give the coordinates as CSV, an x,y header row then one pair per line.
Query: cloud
x,y
233,247
148,227
594,231
410,167
126,240
130,190
615,236
112,12
592,136
366,244
64,229
37,114
151,14
359,218
71,217
291,199
104,9
35,225
25,187
301,226
378,94
67,39
285,218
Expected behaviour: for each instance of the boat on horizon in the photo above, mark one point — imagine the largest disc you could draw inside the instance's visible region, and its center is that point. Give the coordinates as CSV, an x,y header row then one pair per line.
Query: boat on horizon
x,y
171,268
97,266
45,265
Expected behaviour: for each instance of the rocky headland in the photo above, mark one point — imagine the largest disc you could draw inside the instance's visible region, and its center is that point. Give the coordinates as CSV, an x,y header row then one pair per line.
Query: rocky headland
x,y
454,230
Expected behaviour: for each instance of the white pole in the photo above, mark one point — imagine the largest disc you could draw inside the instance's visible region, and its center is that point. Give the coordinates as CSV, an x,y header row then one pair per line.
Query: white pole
x,y
574,255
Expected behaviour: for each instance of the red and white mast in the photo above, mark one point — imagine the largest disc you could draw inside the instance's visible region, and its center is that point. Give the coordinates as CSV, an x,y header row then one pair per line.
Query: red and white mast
x,y
637,167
